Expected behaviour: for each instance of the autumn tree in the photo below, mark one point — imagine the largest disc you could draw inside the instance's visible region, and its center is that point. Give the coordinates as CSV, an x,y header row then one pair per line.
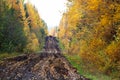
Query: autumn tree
x,y
12,25
21,29
90,28
37,26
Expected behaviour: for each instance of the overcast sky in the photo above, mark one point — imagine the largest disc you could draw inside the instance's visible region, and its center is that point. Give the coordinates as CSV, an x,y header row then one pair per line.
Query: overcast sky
x,y
50,10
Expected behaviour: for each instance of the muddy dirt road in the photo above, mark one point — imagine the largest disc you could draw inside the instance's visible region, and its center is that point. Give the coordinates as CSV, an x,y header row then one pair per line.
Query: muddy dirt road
x,y
50,64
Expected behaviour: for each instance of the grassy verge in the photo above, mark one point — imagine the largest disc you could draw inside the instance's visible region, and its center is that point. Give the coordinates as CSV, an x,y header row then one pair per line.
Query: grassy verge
x,y
8,55
76,62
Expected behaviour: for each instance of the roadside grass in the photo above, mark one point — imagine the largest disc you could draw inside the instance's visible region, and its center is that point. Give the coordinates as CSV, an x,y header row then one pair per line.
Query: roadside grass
x,y
76,62
8,55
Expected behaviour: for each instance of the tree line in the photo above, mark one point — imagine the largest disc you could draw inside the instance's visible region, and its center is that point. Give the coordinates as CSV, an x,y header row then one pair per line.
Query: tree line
x,y
21,27
91,29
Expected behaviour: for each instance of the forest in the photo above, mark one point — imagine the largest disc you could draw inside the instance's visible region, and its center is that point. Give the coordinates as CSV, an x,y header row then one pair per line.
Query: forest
x,y
91,30
21,28
88,34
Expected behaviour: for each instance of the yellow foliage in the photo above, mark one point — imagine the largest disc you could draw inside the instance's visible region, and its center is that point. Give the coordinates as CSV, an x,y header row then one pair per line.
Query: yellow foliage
x,y
113,51
93,4
104,20
74,49
95,43
96,26
33,44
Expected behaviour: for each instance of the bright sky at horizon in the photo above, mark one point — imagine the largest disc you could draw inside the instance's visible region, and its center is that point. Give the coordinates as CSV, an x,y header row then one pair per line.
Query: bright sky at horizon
x,y
50,10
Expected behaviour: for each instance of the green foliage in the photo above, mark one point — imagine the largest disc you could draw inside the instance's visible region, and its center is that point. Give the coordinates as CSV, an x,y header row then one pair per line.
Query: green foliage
x,y
75,61
12,34
62,47
20,29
